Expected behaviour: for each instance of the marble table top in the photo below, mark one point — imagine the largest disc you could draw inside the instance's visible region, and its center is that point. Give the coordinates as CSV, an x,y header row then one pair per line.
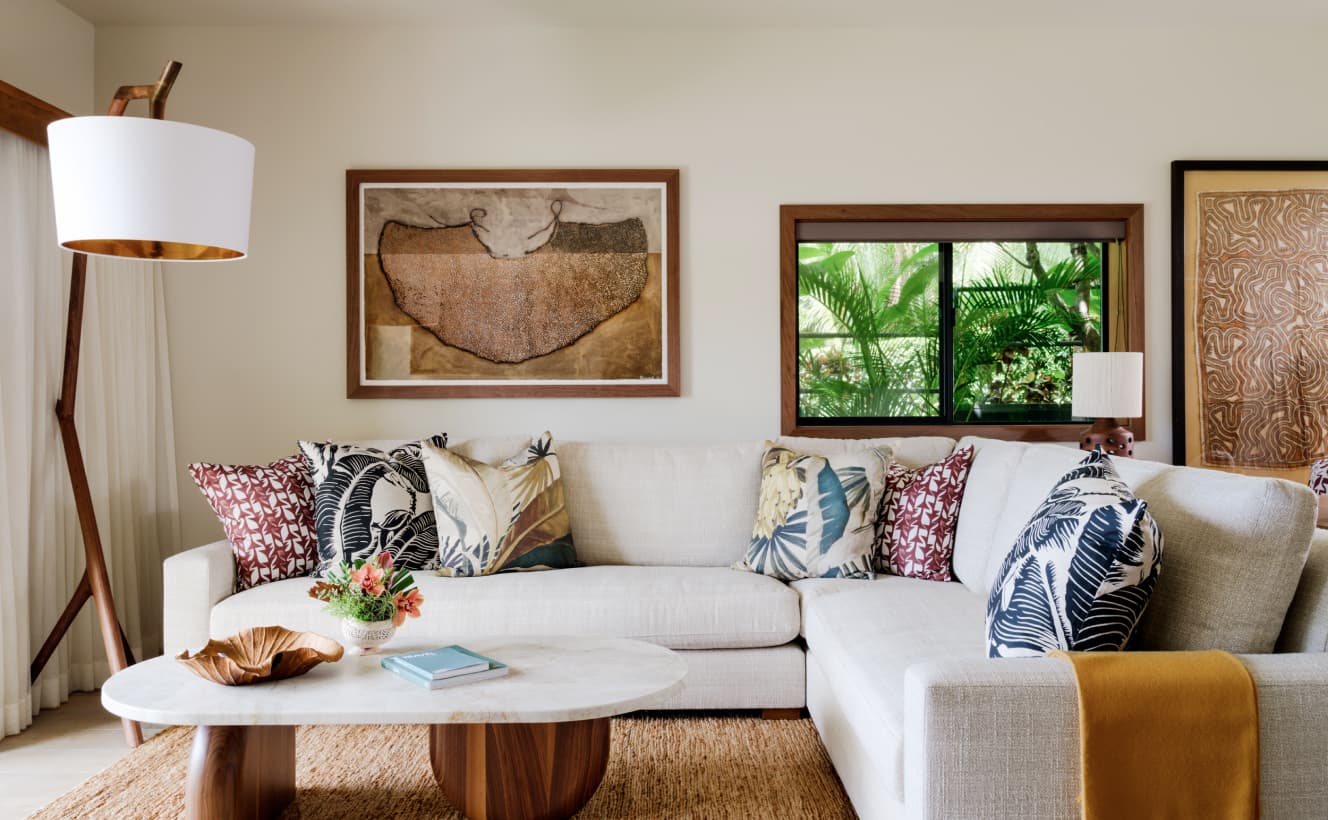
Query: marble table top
x,y
551,680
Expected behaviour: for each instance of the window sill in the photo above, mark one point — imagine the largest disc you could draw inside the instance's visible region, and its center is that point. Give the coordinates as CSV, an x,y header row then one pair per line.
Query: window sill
x,y
1010,432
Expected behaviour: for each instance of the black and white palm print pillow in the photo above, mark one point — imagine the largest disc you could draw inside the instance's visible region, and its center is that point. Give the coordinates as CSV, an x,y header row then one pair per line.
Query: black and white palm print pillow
x,y
368,501
1081,571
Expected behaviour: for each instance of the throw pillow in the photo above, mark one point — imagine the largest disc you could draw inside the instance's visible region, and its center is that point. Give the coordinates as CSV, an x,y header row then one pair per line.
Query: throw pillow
x,y
919,513
1319,477
368,501
816,514
498,518
1081,571
268,515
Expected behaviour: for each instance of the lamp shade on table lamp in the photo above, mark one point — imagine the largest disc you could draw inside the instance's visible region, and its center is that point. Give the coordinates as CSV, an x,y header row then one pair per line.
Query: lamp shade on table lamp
x,y
150,188
1107,387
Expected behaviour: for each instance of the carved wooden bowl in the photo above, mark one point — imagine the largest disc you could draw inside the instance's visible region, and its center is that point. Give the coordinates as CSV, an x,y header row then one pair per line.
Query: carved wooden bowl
x,y
259,654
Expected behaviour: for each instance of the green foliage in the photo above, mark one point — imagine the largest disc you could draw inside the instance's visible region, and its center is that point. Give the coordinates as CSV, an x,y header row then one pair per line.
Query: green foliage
x,y
869,318
879,354
361,607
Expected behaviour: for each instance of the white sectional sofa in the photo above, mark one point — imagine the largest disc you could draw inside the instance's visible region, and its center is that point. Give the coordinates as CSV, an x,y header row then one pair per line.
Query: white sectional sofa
x,y
918,722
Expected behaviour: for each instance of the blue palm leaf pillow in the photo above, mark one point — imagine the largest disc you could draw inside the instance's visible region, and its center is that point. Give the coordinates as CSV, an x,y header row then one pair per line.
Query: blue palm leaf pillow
x,y
1081,571
368,501
816,516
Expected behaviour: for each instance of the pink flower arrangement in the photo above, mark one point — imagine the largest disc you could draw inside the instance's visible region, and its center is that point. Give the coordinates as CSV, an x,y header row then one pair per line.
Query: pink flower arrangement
x,y
372,590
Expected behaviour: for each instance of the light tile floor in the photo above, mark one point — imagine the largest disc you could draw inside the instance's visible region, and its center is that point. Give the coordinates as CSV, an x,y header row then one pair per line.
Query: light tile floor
x,y
62,748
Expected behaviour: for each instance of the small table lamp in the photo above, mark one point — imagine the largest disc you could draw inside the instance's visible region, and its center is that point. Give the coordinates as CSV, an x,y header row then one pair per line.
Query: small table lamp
x,y
1107,387
144,189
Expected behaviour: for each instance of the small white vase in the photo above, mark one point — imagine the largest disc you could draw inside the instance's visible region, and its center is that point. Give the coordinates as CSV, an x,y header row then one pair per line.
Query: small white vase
x,y
363,637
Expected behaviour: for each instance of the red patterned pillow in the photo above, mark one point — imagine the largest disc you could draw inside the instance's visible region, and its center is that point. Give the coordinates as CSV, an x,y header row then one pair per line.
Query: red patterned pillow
x,y
919,513
268,515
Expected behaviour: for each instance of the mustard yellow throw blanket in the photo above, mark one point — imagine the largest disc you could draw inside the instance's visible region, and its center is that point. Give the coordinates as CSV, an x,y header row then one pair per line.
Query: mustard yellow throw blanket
x,y
1167,735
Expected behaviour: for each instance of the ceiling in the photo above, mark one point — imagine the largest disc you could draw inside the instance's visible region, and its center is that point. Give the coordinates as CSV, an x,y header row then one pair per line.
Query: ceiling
x,y
687,13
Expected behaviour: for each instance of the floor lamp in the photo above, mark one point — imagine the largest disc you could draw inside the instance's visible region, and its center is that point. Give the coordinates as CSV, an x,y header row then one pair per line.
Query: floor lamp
x,y
143,189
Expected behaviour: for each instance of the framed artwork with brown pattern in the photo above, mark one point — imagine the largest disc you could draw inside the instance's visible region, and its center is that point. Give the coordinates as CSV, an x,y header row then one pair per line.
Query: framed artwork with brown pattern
x,y
511,283
1250,315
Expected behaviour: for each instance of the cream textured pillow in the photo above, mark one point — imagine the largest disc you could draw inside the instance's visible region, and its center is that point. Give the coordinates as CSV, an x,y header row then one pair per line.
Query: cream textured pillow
x,y
509,517
817,514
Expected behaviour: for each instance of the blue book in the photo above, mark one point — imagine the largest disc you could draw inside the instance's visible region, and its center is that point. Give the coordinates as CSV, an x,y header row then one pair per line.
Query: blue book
x,y
440,664
441,683
481,669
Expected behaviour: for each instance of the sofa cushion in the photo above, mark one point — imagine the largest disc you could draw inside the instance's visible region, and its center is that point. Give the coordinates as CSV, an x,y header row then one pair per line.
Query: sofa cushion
x,y
677,607
1236,544
986,492
809,589
494,518
268,515
866,634
910,451
489,449
680,506
816,515
368,501
1081,571
918,515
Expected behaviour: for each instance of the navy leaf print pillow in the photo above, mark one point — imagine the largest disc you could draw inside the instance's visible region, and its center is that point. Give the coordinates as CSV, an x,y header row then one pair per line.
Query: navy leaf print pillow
x,y
368,501
1081,571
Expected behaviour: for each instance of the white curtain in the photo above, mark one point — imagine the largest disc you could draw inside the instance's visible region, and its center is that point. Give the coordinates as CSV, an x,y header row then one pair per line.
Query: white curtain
x,y
124,420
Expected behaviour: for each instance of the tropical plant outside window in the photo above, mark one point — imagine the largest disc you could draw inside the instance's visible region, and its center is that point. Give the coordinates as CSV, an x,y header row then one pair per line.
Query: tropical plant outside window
x,y
959,332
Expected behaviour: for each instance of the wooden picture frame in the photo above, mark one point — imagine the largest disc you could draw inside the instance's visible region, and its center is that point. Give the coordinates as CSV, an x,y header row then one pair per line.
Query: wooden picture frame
x,y
1249,296
512,283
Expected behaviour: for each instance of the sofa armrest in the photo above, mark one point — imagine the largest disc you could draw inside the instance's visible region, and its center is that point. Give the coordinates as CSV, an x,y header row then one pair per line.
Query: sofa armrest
x,y
1000,738
1306,625
192,583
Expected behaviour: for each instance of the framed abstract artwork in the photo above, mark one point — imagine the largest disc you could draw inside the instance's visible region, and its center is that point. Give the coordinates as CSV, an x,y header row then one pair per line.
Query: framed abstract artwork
x,y
511,283
1250,315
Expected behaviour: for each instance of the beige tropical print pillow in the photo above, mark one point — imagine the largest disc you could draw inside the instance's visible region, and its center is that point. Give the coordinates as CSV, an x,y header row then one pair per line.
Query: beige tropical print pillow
x,y
499,518
816,515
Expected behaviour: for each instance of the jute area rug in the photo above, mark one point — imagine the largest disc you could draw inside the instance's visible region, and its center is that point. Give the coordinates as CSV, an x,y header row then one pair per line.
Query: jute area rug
x,y
660,767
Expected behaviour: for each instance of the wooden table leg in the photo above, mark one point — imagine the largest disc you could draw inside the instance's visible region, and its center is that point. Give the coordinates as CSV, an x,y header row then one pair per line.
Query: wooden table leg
x,y
519,771
240,773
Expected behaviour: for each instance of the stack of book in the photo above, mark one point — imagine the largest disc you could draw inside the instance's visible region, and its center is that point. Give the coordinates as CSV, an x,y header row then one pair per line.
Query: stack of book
x,y
447,666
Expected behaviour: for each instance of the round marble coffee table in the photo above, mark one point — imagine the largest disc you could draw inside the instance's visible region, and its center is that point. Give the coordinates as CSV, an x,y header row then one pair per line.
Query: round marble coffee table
x,y
531,744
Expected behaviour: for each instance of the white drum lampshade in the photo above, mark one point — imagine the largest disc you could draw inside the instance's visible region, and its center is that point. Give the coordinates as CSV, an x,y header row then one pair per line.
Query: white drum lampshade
x,y
150,188
1108,385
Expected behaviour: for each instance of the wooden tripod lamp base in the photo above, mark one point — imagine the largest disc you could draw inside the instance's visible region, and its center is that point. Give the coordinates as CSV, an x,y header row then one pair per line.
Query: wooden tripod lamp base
x,y
1107,433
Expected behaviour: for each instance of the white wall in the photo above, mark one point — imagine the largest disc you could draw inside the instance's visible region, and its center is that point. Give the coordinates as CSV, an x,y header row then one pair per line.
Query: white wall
x,y
47,50
753,119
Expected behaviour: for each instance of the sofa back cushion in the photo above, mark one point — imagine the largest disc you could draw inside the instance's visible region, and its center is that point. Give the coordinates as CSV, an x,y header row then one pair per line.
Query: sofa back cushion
x,y
1236,544
654,504
686,505
1006,483
488,449
911,451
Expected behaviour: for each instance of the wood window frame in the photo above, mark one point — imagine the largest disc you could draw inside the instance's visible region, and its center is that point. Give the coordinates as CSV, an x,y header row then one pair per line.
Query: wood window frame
x,y
1131,214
